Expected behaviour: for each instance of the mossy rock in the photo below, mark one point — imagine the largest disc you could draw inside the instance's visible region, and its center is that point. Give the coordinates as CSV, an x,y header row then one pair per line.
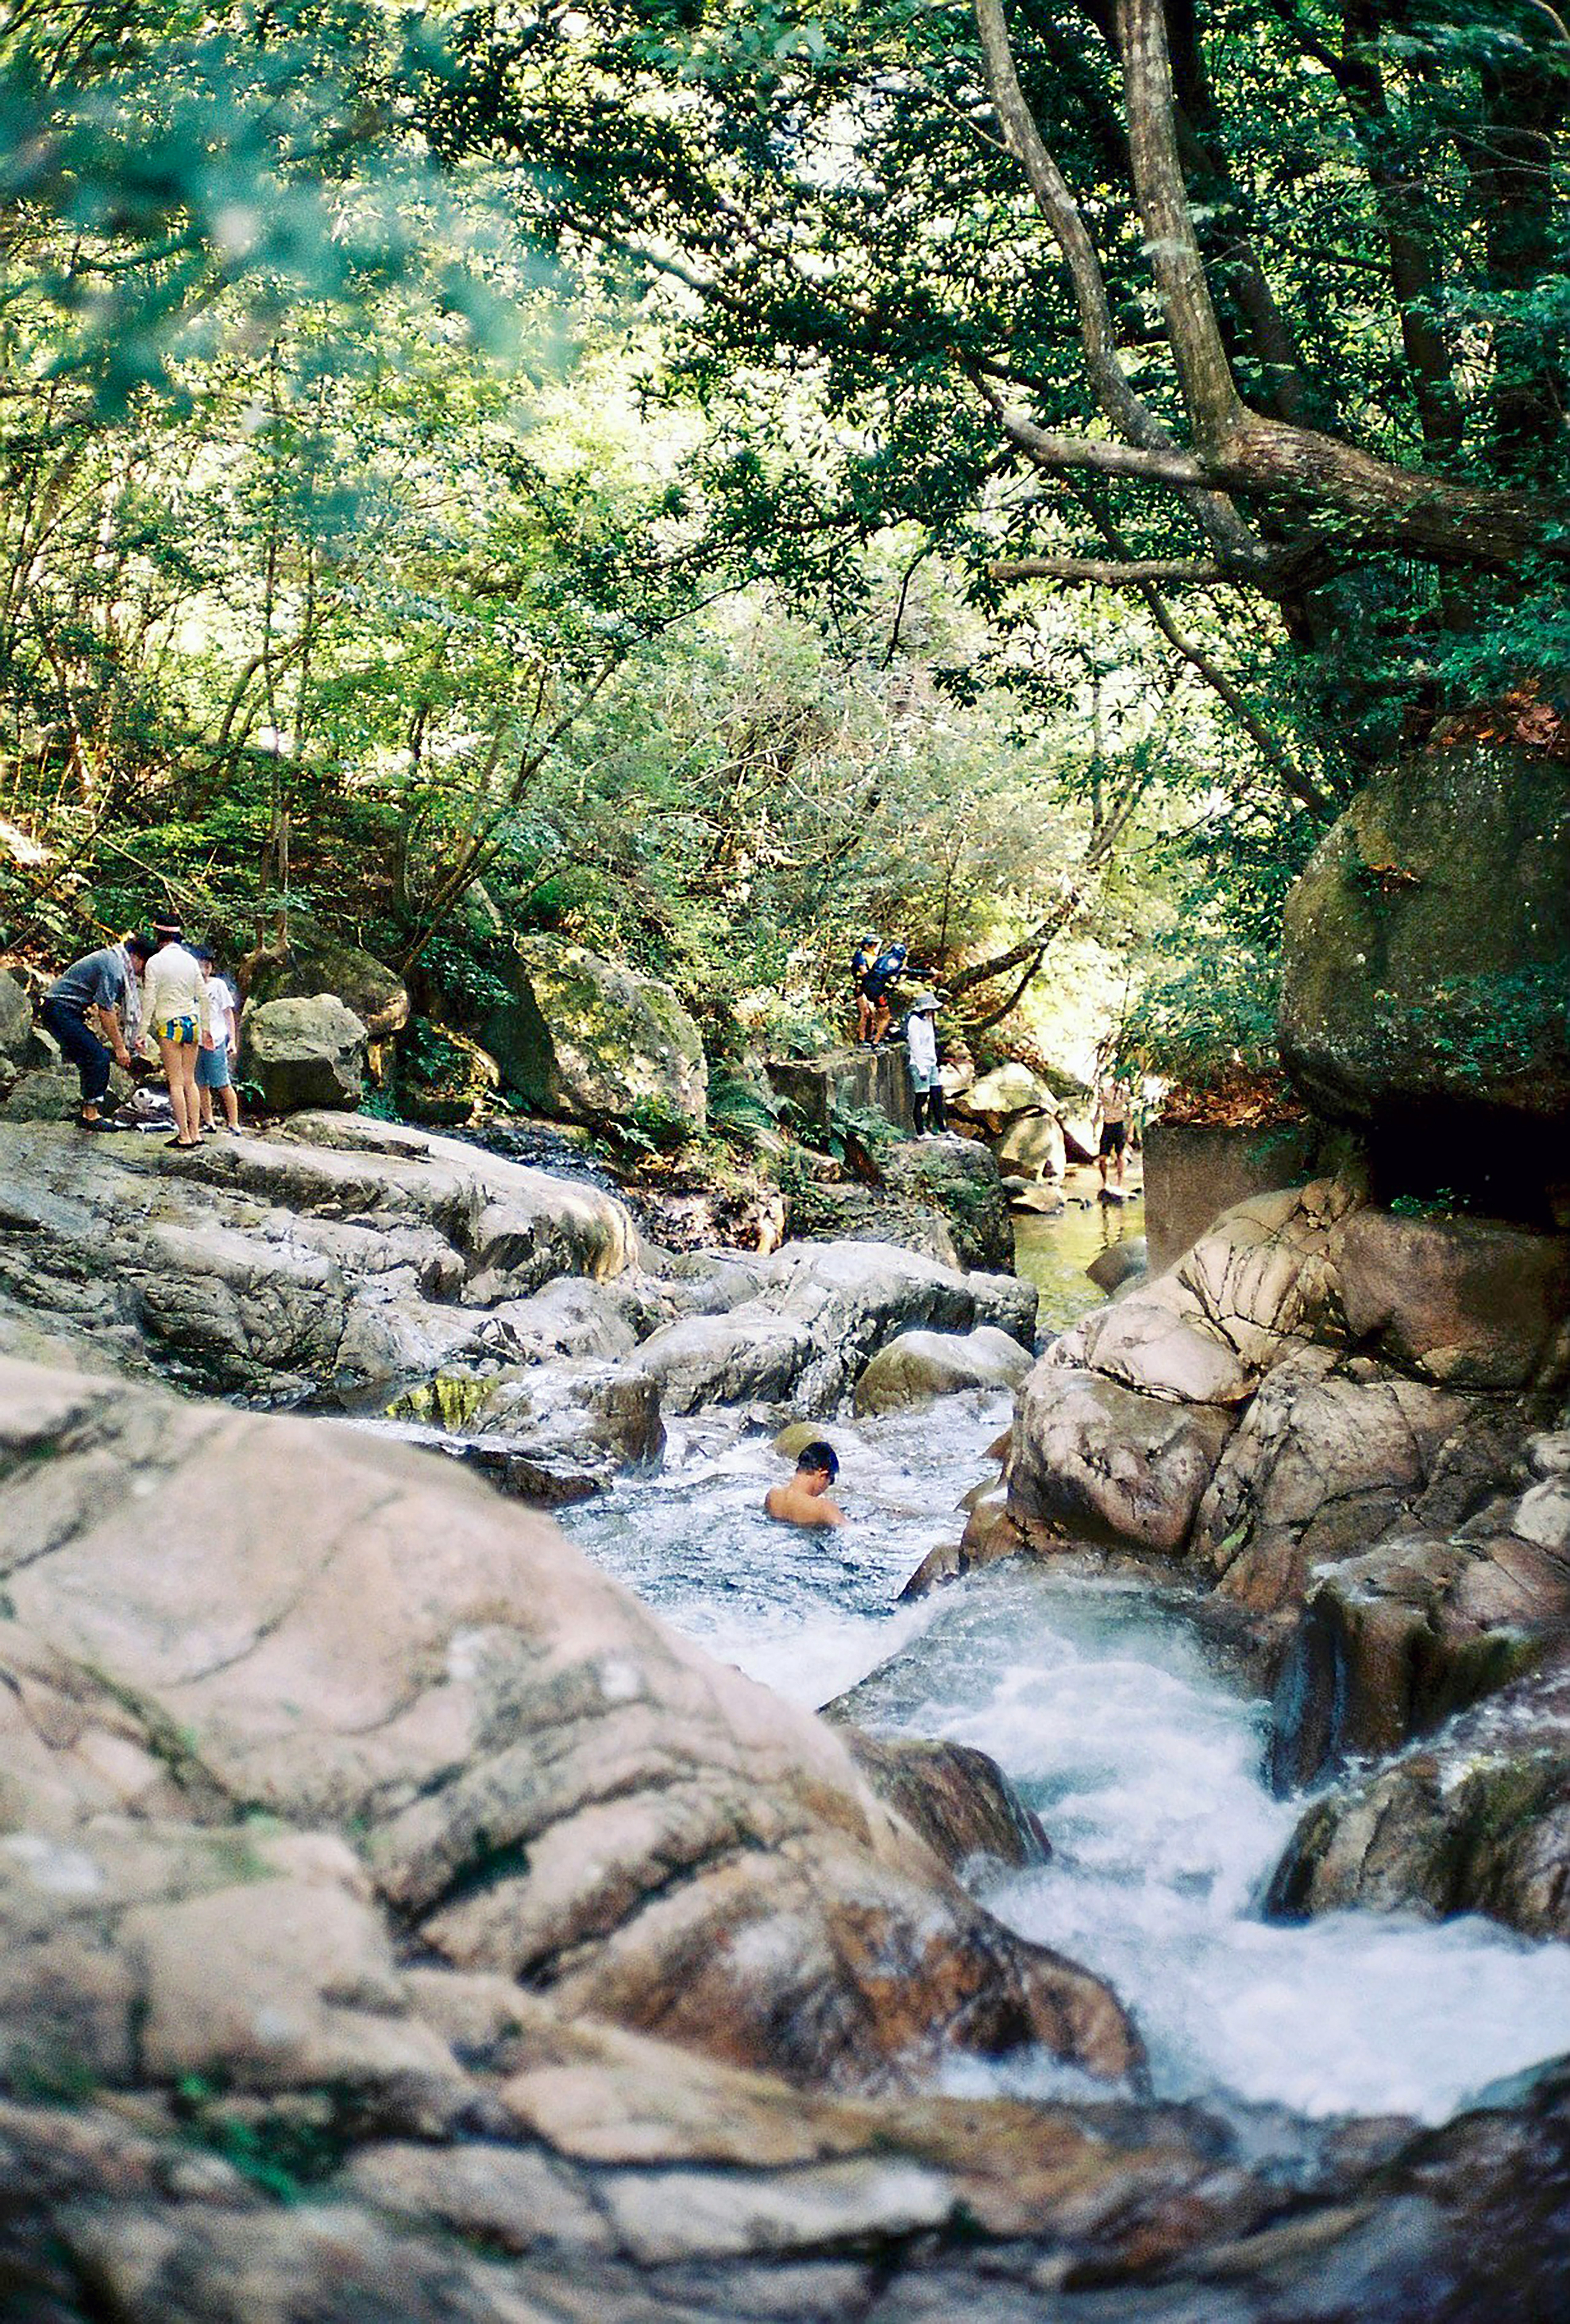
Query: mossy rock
x,y
1426,953
374,993
588,1040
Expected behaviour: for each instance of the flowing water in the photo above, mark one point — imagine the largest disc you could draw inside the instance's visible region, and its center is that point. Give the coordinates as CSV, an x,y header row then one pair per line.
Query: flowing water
x,y
1144,1765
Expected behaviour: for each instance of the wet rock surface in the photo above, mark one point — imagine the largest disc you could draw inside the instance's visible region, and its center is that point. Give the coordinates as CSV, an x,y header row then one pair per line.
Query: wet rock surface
x,y
1476,1819
1335,1416
331,1631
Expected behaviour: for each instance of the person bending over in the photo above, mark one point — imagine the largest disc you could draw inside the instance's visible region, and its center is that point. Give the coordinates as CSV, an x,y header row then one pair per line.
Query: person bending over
x,y
804,1500
86,1008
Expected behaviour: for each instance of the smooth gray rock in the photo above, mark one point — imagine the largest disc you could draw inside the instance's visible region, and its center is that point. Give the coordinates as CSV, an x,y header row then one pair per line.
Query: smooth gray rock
x,y
916,1368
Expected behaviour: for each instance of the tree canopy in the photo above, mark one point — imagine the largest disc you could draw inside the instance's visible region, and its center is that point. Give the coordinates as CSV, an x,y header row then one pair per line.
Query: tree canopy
x,y
703,472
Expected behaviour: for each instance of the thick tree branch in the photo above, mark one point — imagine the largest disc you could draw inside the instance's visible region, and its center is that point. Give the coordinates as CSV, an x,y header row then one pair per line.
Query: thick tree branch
x,y
1203,371
1126,410
1110,572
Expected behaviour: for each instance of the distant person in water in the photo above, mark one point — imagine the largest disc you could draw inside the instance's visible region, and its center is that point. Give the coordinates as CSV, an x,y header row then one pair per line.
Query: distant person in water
x,y
805,1501
1114,1106
862,960
89,1009
927,1109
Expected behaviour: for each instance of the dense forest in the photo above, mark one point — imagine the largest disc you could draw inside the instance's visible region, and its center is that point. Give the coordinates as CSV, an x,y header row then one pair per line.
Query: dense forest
x,y
710,478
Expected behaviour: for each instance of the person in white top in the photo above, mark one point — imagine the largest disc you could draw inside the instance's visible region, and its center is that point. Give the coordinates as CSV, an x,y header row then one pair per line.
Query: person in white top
x,y
220,1041
174,1009
927,1108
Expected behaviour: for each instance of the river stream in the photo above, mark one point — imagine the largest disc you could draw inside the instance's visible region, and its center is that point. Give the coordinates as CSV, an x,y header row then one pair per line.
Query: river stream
x,y
1145,1763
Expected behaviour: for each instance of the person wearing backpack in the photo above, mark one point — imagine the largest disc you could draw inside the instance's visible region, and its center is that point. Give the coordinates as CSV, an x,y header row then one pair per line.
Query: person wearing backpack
x,y
862,960
880,978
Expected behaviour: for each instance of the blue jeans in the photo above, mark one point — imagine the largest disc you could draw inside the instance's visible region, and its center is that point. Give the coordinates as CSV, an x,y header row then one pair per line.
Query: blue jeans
x,y
82,1046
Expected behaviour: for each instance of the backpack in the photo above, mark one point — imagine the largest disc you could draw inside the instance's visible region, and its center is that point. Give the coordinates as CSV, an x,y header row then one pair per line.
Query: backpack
x,y
888,965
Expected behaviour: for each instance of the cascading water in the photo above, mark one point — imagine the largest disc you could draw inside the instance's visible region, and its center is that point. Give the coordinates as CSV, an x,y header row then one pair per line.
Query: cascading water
x,y
1145,1765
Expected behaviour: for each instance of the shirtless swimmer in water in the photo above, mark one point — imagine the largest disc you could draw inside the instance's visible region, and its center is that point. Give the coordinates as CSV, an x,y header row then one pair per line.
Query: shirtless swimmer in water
x,y
805,1501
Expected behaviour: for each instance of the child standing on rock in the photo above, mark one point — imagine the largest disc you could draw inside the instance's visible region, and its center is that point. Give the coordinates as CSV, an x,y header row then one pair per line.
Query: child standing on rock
x,y
220,1042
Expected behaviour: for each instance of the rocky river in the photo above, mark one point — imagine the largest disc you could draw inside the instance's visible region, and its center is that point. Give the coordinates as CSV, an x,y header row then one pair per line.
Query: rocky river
x,y
416,1907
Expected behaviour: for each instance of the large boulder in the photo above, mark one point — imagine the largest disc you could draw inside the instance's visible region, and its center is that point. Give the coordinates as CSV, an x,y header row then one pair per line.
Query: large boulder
x,y
823,1090
1195,1171
1010,1089
1477,1820
959,1181
373,993
1330,1453
1427,960
591,1040
17,1046
319,1628
918,1367
1096,1461
1032,1146
1468,1302
352,1252
1394,1640
303,1054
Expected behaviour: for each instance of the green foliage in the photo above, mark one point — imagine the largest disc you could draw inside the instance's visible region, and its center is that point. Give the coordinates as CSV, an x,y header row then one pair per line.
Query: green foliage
x,y
285,2146
1443,1202
744,1109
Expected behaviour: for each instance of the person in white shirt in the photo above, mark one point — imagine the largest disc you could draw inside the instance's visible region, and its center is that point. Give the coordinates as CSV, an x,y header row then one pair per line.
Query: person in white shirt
x,y
921,1058
220,1041
174,1012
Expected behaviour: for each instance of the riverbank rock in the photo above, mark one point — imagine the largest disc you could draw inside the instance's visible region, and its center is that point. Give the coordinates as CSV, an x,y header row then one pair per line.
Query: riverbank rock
x,y
370,990
993,1100
591,1040
1193,1173
958,1180
303,1054
1470,1303
852,1080
1477,1820
818,1313
1100,1461
1332,1450
918,1367
348,1253
857,1213
1425,955
330,1630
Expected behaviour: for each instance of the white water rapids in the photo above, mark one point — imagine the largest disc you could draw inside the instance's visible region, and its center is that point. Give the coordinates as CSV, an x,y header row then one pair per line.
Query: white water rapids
x,y
1144,1765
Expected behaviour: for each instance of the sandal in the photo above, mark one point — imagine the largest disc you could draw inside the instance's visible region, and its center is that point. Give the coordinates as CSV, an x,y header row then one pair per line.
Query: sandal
x,y
183,1145
83,1123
